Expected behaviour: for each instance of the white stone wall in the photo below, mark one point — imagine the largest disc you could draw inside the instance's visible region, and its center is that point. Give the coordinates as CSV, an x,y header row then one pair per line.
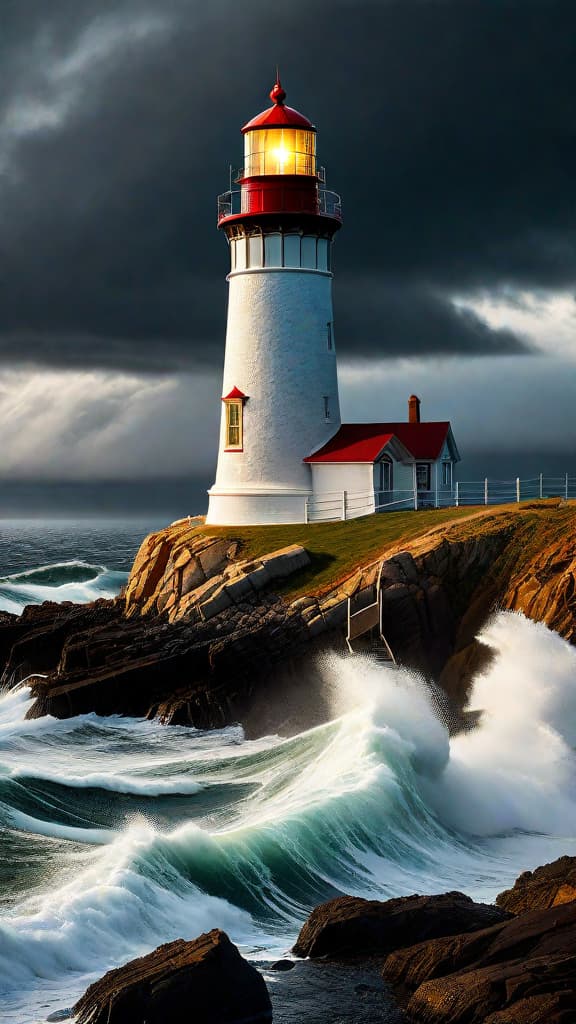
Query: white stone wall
x,y
277,354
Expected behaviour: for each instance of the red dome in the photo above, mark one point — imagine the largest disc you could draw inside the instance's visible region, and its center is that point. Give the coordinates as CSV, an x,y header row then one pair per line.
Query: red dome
x,y
279,116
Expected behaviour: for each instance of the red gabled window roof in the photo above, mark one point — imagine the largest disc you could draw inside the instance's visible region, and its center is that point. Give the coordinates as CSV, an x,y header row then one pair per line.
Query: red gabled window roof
x,y
235,393
363,442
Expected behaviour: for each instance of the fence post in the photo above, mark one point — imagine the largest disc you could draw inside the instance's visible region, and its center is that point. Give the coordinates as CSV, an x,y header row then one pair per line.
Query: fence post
x,y
566,486
457,495
541,485
343,504
306,514
485,490
517,488
415,499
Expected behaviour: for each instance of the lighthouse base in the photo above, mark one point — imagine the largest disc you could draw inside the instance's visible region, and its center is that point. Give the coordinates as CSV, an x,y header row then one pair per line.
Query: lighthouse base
x,y
257,507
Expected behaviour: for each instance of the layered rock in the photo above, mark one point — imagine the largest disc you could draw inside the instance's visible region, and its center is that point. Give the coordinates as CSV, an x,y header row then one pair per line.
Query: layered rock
x,y
515,971
205,980
547,886
350,926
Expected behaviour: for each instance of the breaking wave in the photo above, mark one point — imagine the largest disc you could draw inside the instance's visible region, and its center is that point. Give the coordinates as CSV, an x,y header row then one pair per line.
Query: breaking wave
x,y
177,831
75,581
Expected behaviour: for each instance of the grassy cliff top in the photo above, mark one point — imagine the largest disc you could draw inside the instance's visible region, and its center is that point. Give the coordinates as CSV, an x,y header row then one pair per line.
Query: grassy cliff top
x,y
337,549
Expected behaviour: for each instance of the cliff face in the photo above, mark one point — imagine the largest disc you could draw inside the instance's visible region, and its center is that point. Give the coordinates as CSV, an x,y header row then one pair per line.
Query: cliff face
x,y
200,630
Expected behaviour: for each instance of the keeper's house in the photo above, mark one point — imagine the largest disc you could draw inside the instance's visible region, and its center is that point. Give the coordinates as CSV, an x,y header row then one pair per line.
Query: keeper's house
x,y
371,467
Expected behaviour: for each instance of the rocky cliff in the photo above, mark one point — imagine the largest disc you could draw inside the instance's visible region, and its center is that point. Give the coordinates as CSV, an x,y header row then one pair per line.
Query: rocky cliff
x,y
202,629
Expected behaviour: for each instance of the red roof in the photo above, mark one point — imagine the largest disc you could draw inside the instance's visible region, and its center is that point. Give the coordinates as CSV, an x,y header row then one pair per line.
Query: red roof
x,y
363,442
278,116
235,393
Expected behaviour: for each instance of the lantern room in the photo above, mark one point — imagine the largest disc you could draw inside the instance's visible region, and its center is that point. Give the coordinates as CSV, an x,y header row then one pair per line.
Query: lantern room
x,y
280,174
280,140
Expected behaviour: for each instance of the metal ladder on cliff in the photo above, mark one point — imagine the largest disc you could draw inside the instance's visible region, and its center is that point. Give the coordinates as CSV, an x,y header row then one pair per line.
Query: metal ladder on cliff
x,y
367,622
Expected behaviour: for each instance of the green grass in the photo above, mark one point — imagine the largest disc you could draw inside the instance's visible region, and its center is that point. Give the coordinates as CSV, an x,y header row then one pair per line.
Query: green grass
x,y
335,549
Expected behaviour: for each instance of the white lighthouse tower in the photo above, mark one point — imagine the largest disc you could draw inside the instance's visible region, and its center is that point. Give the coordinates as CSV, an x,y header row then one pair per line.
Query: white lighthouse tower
x,y
280,390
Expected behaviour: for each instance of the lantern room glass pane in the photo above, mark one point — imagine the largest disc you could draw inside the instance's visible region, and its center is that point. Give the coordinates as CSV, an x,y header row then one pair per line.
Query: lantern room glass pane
x,y
279,151
309,252
322,254
273,250
255,250
291,250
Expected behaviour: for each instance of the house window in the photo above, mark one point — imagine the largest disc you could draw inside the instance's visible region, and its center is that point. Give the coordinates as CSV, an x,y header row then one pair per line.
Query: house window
x,y
326,407
234,417
446,474
423,476
329,335
384,476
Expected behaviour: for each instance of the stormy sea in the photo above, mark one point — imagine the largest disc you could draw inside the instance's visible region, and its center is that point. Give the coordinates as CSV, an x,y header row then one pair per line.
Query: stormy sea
x,y
118,834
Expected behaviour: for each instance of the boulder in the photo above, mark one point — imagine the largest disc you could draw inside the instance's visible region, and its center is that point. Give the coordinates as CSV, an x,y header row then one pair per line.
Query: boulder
x,y
349,926
461,979
547,886
206,981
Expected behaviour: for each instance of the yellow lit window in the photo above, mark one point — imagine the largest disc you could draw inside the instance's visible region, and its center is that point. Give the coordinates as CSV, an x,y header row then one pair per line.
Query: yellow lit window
x,y
234,411
279,151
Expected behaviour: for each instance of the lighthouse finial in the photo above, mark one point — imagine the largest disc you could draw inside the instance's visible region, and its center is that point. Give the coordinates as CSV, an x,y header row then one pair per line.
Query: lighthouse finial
x,y
278,94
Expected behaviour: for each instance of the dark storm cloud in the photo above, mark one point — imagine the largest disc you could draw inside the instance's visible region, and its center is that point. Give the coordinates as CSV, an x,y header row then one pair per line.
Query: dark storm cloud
x,y
396,319
449,126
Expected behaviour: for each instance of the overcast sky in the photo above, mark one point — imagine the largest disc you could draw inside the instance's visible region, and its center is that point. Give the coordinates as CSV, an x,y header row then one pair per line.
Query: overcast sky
x,y
449,128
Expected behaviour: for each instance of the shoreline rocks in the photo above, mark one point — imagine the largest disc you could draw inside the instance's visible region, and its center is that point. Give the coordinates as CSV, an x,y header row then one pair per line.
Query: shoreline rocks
x,y
352,926
548,886
206,980
452,961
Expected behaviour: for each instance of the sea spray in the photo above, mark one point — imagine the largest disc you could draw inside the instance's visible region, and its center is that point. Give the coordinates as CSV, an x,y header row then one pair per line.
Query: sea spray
x,y
206,829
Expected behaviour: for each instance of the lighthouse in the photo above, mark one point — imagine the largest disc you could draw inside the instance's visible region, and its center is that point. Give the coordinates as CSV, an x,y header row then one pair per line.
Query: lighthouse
x,y
280,388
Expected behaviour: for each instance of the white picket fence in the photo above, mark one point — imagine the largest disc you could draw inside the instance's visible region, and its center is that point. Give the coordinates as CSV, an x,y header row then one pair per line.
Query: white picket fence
x,y
338,505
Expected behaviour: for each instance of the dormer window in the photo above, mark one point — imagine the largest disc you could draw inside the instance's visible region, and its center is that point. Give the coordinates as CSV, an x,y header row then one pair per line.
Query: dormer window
x,y
234,402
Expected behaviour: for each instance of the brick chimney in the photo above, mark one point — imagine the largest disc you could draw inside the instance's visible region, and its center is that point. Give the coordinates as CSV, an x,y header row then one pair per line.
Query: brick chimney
x,y
413,409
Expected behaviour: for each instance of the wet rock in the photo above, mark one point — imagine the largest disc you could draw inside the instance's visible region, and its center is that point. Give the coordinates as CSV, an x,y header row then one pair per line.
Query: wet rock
x,y
509,992
282,965
205,980
350,926
547,886
461,979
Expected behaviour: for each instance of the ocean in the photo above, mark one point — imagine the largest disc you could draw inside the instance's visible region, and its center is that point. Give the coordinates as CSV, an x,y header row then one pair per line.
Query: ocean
x,y
118,834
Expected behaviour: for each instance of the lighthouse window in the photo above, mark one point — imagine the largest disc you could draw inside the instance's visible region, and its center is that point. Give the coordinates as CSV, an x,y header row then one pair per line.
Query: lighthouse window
x,y
322,263
309,252
234,424
273,250
326,407
240,254
255,250
291,250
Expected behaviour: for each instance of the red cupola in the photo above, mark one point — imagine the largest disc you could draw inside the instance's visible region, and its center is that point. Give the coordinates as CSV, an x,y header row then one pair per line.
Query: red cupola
x,y
280,175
